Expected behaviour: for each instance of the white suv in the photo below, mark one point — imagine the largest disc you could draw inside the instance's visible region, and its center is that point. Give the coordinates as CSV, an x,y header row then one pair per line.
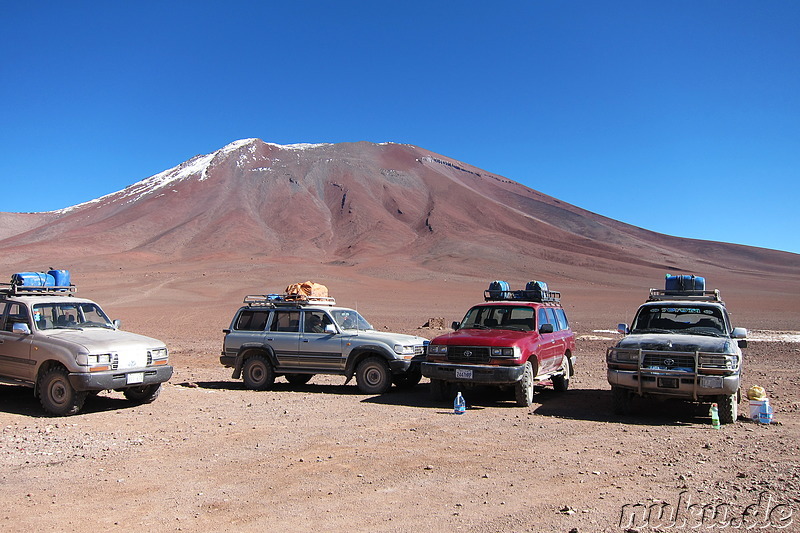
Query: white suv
x,y
66,348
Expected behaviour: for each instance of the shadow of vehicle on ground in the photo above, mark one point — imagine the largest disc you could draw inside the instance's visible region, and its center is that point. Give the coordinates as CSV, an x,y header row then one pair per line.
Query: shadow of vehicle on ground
x,y
20,400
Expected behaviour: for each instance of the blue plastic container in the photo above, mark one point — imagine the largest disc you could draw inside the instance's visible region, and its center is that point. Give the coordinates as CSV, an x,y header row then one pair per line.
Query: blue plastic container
x,y
685,283
61,277
33,279
498,289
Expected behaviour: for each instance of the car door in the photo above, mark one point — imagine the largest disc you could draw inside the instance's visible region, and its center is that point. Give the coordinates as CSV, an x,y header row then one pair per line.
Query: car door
x,y
284,337
547,353
319,349
15,348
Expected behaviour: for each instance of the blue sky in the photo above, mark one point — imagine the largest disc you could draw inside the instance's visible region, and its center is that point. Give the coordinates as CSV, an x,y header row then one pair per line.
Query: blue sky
x,y
680,117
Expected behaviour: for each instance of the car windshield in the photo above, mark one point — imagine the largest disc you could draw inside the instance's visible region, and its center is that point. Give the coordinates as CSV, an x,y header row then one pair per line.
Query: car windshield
x,y
70,315
500,317
687,319
349,319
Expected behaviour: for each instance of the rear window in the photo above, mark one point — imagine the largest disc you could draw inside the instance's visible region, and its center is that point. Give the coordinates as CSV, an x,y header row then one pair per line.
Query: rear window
x,y
252,320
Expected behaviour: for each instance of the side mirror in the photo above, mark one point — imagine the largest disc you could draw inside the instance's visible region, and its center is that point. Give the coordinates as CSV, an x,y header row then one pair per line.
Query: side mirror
x,y
455,325
330,328
117,324
546,328
741,335
623,328
21,327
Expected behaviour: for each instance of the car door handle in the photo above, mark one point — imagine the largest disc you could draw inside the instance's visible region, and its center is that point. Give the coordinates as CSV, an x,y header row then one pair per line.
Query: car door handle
x,y
305,340
270,339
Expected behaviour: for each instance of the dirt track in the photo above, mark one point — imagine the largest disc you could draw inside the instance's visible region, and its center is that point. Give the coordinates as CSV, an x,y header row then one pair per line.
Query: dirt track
x,y
209,455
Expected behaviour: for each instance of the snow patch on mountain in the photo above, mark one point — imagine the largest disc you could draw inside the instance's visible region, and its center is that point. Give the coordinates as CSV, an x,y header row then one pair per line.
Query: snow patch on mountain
x,y
196,166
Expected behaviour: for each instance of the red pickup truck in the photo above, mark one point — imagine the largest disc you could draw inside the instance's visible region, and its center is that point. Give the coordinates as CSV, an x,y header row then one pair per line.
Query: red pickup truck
x,y
515,339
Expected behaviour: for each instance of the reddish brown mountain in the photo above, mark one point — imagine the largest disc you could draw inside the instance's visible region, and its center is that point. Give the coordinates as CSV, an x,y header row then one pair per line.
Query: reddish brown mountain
x,y
384,211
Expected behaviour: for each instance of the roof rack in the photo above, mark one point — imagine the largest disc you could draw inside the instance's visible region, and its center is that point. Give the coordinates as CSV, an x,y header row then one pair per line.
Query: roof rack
x,y
704,296
286,300
12,289
522,296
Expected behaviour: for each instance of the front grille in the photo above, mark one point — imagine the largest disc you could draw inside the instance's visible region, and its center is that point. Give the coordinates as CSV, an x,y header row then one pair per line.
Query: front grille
x,y
669,361
114,361
419,350
468,354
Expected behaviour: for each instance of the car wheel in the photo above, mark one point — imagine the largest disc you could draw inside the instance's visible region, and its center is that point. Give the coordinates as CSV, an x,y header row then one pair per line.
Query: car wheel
x,y
57,395
258,373
523,389
728,408
620,401
373,376
298,379
143,394
561,381
408,380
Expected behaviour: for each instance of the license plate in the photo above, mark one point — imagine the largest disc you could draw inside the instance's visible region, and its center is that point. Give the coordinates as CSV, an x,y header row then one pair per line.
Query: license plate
x,y
711,382
668,383
135,377
463,373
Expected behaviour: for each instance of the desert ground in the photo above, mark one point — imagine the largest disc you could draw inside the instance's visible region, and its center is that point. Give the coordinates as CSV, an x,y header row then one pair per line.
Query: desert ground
x,y
209,455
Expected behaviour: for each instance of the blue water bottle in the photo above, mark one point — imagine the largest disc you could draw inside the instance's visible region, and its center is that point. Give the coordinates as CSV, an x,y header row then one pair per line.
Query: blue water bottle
x,y
459,405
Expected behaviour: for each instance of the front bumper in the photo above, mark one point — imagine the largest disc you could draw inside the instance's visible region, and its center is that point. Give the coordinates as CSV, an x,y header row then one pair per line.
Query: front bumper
x,y
689,386
486,374
118,380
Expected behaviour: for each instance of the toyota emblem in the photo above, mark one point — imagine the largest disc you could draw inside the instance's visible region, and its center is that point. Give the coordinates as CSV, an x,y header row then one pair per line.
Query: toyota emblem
x,y
669,362
467,353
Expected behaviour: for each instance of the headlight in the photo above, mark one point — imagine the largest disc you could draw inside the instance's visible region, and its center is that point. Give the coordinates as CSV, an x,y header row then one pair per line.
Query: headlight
x,y
504,352
158,356
724,362
98,359
625,355
399,349
437,349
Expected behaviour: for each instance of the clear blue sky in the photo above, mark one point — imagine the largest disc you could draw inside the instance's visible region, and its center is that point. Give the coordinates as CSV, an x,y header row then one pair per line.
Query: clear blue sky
x,y
681,117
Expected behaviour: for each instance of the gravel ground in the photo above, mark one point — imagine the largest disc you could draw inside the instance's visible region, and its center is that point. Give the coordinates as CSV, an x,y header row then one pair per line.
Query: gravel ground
x,y
209,455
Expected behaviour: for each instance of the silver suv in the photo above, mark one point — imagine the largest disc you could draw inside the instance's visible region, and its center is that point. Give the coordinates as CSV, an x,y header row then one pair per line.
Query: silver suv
x,y
271,336
681,345
66,348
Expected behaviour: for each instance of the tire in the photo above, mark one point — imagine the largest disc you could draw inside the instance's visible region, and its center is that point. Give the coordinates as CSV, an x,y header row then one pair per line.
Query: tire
x,y
57,395
143,394
409,380
561,381
620,401
257,373
728,408
523,389
298,379
439,390
373,376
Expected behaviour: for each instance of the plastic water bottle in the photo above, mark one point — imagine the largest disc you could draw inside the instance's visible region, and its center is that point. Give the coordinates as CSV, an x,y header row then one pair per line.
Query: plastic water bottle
x,y
714,412
459,405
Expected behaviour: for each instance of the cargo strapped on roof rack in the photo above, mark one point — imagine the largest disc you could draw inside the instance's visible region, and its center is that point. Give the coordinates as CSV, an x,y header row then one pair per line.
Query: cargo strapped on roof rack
x,y
12,289
286,300
522,296
704,296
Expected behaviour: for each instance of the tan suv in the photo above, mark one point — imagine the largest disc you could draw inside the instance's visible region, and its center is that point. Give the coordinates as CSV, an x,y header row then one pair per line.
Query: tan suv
x,y
66,348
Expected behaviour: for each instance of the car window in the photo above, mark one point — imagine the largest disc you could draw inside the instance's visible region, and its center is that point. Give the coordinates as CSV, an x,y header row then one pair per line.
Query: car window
x,y
315,321
687,318
252,320
286,321
543,318
551,318
562,319
15,314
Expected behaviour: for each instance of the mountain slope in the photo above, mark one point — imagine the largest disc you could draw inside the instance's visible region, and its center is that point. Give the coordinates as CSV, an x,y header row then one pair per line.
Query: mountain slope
x,y
359,204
